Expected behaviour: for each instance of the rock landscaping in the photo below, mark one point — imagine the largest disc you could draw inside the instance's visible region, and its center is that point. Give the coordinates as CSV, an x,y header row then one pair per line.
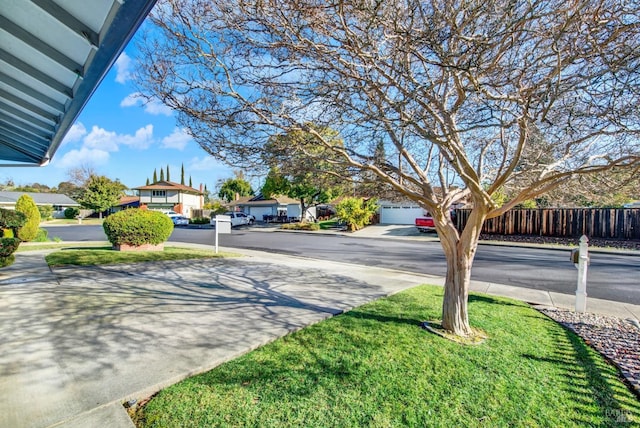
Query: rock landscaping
x,y
616,339
593,242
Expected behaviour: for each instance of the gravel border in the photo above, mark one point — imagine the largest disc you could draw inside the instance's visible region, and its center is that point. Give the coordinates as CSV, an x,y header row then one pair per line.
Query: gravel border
x,y
569,242
618,340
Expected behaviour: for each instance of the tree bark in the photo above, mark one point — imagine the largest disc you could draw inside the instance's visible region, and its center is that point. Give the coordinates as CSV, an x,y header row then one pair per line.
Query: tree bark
x,y
459,250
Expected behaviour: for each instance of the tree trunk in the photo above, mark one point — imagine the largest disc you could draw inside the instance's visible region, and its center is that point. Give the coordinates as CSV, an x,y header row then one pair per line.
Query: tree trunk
x,y
459,250
303,209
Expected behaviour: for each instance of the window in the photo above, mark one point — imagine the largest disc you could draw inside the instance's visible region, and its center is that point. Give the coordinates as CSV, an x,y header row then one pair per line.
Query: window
x,y
158,193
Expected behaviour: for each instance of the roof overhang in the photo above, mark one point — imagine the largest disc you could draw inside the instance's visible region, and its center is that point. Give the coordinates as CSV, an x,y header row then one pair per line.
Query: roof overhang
x,y
53,56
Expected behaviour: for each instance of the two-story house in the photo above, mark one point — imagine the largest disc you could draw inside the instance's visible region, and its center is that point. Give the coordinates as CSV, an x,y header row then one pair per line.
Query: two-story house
x,y
167,195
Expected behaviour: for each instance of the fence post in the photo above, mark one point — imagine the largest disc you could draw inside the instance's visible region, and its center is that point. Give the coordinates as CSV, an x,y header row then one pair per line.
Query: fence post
x,y
583,262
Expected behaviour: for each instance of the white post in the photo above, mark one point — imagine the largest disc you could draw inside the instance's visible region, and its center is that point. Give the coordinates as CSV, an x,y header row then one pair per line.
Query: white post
x,y
217,228
583,261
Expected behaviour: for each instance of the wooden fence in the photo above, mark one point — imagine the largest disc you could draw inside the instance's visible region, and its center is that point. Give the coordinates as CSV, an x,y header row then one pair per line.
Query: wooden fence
x,y
608,223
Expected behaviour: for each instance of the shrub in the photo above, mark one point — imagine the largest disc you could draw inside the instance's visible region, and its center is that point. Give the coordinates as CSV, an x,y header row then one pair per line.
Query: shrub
x,y
137,227
10,223
71,212
356,212
42,236
200,220
301,226
28,207
46,211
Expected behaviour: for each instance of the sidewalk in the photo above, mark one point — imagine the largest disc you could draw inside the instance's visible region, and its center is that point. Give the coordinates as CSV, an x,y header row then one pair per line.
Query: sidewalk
x,y
80,341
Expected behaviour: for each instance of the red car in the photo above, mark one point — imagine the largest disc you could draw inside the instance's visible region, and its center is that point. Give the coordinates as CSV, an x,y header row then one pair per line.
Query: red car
x,y
425,224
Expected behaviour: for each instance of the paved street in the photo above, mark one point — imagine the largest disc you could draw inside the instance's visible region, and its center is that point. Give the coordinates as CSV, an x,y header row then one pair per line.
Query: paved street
x,y
611,276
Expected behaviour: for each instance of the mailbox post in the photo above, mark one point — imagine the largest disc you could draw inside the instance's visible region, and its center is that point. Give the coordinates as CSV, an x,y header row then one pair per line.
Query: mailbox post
x,y
580,259
222,225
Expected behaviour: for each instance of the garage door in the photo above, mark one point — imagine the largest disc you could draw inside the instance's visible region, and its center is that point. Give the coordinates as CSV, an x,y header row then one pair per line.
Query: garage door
x,y
400,214
258,212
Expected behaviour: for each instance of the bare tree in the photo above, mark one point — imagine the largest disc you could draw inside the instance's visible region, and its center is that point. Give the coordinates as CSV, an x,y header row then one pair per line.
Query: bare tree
x,y
467,96
80,175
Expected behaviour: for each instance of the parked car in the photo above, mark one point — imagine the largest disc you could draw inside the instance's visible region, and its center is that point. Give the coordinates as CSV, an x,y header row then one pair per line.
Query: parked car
x,y
179,220
237,218
425,224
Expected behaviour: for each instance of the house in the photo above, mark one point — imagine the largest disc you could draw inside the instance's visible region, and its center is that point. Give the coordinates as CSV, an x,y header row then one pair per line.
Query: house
x,y
167,195
126,202
277,208
59,201
403,211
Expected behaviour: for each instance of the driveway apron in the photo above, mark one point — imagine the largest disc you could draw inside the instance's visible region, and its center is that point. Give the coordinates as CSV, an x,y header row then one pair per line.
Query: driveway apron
x,y
79,340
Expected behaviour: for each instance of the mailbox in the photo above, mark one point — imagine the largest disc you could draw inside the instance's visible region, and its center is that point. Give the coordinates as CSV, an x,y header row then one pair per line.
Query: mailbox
x,y
575,256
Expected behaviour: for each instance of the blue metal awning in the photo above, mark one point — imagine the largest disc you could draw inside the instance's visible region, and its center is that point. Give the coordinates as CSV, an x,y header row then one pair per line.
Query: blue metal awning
x,y
53,56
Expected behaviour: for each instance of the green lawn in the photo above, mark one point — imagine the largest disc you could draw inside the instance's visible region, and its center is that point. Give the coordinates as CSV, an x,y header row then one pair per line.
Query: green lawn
x,y
105,255
374,367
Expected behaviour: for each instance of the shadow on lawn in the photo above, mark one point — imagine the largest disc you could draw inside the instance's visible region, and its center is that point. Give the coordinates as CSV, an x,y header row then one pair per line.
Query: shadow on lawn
x,y
591,377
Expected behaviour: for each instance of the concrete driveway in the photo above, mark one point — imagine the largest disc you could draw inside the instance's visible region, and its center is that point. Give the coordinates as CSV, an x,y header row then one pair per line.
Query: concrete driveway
x,y
76,342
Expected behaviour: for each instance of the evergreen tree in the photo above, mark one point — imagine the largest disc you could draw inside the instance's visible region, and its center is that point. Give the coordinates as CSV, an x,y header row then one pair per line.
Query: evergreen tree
x,y
161,174
101,193
147,181
168,176
28,207
155,176
182,175
190,182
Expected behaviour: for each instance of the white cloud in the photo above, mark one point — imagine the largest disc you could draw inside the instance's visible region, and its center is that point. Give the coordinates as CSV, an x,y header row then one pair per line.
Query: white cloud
x,y
153,106
142,139
100,138
131,100
83,156
123,68
75,133
206,163
178,139
110,141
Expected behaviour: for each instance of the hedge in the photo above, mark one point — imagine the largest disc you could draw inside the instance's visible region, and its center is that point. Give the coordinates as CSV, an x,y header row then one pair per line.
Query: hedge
x,y
71,213
10,223
137,227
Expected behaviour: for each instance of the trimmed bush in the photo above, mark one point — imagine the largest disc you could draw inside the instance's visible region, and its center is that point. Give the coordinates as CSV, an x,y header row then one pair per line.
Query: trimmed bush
x,y
71,213
10,223
8,246
137,227
28,207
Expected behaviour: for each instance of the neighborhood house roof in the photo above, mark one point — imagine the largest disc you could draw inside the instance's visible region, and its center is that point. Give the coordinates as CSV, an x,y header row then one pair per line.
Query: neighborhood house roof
x,y
257,201
53,56
38,198
169,185
128,200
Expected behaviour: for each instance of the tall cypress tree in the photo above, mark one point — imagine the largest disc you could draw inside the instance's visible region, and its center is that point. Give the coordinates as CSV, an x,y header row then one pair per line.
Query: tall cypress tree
x,y
161,174
182,175
190,183
168,176
155,176
147,181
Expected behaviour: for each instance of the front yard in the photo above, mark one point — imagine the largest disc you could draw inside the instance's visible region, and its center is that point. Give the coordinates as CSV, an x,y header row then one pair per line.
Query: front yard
x,y
374,366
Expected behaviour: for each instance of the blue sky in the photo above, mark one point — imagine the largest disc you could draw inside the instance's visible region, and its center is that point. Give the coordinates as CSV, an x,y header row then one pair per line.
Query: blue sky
x,y
121,138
